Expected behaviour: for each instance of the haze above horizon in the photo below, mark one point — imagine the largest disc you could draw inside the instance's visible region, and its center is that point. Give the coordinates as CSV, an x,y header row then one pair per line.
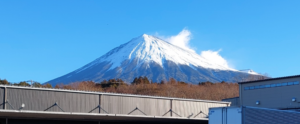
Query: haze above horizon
x,y
42,40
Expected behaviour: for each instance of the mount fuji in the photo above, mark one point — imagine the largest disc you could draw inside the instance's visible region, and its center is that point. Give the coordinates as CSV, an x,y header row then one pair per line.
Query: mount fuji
x,y
154,58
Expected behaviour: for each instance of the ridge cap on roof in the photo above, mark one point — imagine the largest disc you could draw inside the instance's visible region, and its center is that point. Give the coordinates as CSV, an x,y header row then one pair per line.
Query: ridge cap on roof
x,y
268,79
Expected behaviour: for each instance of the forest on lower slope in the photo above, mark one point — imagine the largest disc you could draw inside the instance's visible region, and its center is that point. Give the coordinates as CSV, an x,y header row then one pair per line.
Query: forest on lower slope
x,y
144,86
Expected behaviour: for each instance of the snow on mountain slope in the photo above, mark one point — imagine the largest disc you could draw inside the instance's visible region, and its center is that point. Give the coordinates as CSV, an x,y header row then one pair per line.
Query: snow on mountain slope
x,y
152,57
249,71
148,48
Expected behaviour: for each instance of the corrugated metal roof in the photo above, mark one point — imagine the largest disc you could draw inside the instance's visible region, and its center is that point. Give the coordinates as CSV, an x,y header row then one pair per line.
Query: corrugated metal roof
x,y
230,98
269,79
113,94
77,116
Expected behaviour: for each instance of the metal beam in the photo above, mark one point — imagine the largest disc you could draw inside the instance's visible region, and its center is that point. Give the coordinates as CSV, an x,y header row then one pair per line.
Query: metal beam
x,y
171,106
100,95
87,116
116,94
5,98
240,95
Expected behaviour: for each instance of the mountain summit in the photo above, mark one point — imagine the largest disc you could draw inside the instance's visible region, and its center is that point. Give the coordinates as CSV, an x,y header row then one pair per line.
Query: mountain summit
x,y
152,57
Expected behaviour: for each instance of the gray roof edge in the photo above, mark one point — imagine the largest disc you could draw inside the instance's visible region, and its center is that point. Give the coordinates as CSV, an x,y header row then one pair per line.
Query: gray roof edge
x,y
113,94
92,114
270,109
269,79
231,98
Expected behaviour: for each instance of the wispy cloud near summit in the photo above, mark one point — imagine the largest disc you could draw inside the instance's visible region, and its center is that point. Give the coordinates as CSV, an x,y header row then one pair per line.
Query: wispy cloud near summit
x,y
182,39
214,56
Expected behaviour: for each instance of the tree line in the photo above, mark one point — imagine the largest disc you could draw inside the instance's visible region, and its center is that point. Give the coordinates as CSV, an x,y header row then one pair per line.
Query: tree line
x,y
167,88
143,86
24,83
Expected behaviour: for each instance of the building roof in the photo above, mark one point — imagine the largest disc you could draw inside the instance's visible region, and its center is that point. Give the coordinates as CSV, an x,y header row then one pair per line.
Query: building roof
x,y
112,94
269,79
230,98
91,116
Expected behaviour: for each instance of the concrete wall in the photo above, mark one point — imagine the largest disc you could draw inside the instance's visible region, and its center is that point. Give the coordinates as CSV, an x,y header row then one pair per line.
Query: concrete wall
x,y
279,97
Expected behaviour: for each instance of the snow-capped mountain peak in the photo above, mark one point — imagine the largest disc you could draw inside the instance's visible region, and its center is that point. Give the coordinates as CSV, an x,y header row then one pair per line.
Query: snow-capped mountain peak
x,y
155,58
147,48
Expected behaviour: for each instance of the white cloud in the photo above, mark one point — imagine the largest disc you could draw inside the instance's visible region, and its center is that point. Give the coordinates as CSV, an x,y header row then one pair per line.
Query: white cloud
x,y
183,40
214,56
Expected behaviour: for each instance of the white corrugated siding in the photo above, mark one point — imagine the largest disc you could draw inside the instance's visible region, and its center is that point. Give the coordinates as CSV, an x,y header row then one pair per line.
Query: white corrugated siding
x,y
40,100
124,105
234,101
1,98
265,116
187,108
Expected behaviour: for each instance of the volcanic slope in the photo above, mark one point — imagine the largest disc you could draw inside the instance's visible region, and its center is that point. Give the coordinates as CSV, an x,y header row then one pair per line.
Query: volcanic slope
x,y
152,57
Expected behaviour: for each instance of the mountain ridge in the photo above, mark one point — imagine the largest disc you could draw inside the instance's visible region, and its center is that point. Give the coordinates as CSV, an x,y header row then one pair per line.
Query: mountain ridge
x,y
152,57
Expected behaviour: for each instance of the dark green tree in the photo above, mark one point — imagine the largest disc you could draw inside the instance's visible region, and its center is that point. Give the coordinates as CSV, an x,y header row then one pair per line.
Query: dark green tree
x,y
47,85
146,81
135,80
36,84
141,80
205,83
111,83
23,83
4,82
181,82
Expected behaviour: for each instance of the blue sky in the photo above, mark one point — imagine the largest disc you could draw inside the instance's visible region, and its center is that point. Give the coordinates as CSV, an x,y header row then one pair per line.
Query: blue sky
x,y
42,40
